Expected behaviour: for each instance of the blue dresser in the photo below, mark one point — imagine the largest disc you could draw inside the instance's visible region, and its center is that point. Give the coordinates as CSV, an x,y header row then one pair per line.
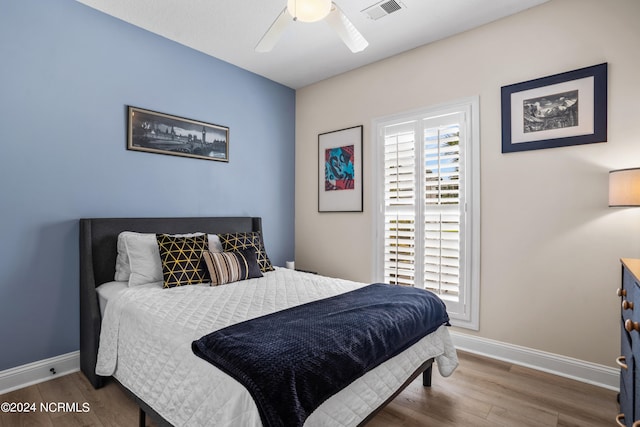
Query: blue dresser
x,y
629,359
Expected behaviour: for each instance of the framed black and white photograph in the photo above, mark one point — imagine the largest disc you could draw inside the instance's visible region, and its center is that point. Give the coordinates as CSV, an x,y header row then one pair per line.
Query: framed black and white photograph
x,y
563,109
162,133
340,170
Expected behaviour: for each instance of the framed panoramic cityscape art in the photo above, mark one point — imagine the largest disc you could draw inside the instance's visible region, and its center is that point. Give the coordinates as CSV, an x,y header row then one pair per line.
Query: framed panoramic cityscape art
x,y
161,133
555,111
340,170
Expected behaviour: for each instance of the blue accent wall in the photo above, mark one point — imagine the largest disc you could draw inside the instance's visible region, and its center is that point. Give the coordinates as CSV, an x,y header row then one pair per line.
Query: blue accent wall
x,y
67,73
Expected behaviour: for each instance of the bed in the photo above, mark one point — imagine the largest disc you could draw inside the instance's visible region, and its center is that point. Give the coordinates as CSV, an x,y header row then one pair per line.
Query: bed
x,y
161,372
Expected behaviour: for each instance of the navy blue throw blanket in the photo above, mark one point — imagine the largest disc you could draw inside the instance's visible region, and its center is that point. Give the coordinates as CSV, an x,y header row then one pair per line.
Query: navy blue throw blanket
x,y
292,360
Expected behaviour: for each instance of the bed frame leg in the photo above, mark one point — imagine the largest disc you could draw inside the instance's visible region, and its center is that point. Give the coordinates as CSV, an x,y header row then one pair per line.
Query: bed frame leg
x,y
142,418
426,376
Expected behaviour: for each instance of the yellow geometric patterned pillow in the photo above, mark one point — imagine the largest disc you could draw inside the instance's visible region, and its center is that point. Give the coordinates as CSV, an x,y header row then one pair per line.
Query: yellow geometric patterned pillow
x,y
233,242
182,259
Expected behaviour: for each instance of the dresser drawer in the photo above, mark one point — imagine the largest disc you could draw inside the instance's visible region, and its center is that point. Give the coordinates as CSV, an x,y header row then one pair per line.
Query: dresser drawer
x,y
629,297
626,404
627,357
636,395
627,376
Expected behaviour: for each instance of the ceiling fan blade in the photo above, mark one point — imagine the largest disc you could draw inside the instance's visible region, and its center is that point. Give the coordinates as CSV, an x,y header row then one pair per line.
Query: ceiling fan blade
x,y
346,30
271,37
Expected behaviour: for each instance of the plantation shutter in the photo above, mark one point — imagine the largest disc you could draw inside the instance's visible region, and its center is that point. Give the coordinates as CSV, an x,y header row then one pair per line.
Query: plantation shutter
x,y
442,206
422,212
399,203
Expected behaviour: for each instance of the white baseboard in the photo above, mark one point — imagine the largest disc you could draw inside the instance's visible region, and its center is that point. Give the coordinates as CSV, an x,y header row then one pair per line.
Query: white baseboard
x,y
40,371
587,372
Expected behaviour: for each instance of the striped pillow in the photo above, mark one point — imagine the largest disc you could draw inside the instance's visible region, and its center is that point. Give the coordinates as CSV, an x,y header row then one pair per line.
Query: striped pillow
x,y
227,267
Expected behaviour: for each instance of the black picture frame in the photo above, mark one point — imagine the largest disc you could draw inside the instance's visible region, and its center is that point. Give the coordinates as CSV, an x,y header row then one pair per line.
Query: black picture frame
x,y
564,109
340,187
154,132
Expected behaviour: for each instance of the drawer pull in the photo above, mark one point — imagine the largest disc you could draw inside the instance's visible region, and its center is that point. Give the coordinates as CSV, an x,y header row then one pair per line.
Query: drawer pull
x,y
627,305
621,361
621,292
620,422
631,326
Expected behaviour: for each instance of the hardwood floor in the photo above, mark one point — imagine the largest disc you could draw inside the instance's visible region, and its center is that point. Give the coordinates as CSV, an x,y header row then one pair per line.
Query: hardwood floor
x,y
482,392
486,392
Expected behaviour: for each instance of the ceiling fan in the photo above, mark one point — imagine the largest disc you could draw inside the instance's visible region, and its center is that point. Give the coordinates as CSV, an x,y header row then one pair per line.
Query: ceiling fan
x,y
312,11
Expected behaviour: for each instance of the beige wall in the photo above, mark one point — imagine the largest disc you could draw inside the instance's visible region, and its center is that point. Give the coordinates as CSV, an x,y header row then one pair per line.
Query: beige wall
x,y
549,243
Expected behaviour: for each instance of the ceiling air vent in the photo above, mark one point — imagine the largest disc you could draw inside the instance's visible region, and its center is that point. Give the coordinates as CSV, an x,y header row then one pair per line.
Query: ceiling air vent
x,y
382,9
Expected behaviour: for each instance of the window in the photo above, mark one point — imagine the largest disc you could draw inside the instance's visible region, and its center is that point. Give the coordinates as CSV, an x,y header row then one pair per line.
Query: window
x,y
428,224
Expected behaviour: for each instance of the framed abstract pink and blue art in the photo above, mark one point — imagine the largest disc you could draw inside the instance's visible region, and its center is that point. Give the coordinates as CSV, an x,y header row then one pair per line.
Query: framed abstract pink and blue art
x,y
340,170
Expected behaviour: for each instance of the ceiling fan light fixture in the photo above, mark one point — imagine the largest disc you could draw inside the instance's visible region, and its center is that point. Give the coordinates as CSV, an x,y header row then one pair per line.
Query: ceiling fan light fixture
x,y
308,10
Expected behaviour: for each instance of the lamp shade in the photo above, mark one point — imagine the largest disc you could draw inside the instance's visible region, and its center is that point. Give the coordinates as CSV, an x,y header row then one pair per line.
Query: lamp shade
x,y
309,10
624,187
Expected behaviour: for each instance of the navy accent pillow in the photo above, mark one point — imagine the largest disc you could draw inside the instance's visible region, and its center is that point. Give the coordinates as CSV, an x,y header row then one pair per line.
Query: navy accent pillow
x,y
182,259
232,242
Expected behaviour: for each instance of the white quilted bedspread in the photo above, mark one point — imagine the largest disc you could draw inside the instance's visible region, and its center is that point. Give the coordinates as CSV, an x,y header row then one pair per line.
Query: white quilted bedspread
x,y
146,344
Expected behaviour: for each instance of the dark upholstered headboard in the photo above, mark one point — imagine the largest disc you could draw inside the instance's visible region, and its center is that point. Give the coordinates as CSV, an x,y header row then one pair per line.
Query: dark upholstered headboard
x,y
98,251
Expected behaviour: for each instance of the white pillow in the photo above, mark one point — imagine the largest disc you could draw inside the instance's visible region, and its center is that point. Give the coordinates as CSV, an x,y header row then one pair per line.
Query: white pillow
x,y
123,270
144,258
138,260
214,243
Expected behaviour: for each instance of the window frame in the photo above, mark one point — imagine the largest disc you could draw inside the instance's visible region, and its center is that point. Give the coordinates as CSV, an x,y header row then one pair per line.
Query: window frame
x,y
470,289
